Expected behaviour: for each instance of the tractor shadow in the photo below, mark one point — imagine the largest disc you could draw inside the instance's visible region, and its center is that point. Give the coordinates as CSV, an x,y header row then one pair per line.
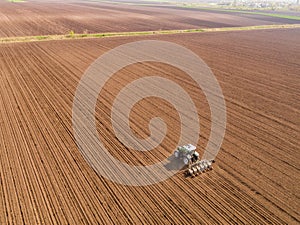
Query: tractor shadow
x,y
175,164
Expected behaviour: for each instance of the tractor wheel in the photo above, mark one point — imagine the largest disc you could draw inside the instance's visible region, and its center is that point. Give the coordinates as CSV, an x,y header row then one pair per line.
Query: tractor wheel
x,y
186,161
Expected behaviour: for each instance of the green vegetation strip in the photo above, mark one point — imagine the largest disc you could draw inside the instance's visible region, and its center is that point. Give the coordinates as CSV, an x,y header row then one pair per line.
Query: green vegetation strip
x,y
16,1
72,35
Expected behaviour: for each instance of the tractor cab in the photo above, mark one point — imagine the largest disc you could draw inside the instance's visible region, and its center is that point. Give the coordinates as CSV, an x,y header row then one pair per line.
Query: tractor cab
x,y
187,153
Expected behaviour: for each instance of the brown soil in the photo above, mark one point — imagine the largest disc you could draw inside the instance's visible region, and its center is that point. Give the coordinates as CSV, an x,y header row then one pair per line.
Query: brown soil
x,y
46,17
45,179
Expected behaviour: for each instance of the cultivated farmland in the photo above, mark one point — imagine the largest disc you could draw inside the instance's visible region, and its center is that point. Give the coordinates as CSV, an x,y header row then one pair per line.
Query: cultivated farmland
x,y
45,178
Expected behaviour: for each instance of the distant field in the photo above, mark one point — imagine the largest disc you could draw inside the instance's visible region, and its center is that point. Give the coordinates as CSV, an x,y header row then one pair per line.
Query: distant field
x,y
46,18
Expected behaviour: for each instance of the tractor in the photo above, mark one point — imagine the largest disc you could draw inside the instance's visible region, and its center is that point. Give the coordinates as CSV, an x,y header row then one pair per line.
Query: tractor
x,y
190,157
187,153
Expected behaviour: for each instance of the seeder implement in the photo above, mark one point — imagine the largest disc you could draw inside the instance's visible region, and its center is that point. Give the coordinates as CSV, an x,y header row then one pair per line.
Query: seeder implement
x,y
198,167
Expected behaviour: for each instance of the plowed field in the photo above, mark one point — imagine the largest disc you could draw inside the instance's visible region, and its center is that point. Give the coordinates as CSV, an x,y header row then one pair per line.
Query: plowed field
x,y
45,179
54,17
